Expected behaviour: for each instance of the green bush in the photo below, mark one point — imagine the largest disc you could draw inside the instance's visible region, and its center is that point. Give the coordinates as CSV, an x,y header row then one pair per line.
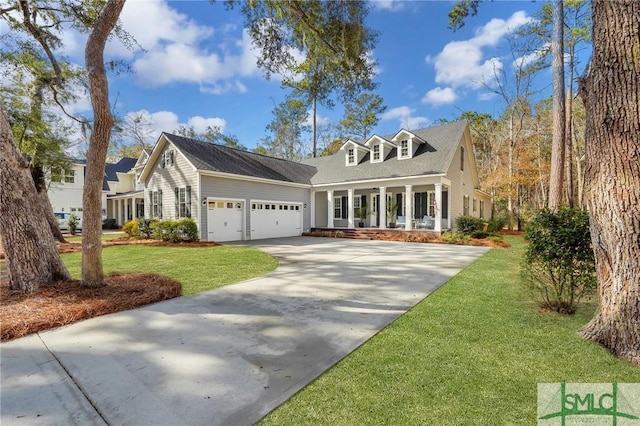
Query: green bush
x,y
481,235
454,237
72,223
559,260
145,227
175,230
496,224
131,228
468,224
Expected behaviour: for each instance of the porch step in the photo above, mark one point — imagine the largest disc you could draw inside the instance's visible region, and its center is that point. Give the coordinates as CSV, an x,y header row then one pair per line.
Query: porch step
x,y
370,233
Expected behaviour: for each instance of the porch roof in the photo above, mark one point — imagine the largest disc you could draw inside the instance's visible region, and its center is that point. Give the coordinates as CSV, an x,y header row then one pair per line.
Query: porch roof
x,y
431,158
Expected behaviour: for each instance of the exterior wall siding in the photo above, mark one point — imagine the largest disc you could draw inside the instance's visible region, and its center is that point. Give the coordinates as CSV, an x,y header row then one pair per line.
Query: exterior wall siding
x,y
180,174
219,187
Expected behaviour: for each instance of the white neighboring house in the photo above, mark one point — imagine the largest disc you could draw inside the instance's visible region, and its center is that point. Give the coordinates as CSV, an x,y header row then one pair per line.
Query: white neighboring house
x,y
65,190
122,197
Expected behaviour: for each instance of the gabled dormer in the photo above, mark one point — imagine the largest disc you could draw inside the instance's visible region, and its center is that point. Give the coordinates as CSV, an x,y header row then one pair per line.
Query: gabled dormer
x,y
407,144
379,148
353,152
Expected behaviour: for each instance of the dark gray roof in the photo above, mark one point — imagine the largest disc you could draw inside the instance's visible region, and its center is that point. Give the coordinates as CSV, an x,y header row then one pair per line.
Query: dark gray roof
x,y
432,157
220,158
110,169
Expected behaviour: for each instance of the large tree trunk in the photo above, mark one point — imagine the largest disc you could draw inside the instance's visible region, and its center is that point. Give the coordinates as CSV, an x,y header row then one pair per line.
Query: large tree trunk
x,y
92,273
32,256
610,91
558,139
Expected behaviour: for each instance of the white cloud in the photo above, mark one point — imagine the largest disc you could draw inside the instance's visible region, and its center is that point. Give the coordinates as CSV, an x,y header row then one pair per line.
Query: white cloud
x,y
388,5
168,121
462,63
404,114
440,96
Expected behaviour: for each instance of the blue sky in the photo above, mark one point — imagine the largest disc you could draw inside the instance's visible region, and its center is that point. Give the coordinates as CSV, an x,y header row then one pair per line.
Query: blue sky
x,y
198,67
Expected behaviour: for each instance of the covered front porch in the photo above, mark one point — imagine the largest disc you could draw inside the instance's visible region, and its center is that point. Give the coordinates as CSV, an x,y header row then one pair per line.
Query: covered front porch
x,y
416,204
126,206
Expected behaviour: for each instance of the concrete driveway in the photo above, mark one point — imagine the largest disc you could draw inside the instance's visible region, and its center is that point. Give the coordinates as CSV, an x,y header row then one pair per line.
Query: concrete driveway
x,y
227,356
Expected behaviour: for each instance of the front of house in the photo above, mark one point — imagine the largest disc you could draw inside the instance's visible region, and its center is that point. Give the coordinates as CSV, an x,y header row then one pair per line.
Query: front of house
x,y
420,179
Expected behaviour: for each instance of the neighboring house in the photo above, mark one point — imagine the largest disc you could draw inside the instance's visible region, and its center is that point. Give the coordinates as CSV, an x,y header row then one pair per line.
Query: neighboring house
x,y
122,196
429,177
65,188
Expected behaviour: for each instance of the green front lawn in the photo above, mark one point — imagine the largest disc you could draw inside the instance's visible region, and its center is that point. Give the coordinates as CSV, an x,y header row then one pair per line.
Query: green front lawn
x,y
197,268
471,353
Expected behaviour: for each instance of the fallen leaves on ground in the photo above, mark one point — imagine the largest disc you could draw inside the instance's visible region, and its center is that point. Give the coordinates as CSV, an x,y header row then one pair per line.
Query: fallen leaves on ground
x,y
66,302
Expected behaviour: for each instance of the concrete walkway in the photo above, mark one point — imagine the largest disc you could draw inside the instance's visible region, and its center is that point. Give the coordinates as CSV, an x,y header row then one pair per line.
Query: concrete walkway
x,y
227,356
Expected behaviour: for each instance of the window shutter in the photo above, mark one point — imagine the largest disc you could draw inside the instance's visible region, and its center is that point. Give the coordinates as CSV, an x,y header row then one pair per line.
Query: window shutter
x,y
188,201
399,204
363,201
344,206
150,203
160,203
162,161
177,194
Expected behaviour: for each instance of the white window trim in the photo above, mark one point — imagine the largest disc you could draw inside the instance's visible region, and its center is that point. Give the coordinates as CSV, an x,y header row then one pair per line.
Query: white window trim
x,y
373,153
408,154
337,207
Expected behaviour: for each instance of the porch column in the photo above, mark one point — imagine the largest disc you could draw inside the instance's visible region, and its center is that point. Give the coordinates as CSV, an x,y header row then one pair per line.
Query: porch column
x,y
330,209
312,209
126,209
383,208
408,207
135,208
438,208
119,212
350,218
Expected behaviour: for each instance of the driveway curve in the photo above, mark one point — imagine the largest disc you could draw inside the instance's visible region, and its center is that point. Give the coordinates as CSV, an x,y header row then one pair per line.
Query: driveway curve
x,y
226,356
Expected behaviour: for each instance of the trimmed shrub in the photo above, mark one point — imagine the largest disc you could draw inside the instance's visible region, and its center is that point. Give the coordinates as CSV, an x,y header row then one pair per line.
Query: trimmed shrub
x,y
72,223
454,237
145,227
109,223
175,230
496,224
131,228
468,224
481,235
559,260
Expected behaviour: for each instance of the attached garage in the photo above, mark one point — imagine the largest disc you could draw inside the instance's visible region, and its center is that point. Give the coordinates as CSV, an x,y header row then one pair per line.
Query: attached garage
x,y
272,219
225,219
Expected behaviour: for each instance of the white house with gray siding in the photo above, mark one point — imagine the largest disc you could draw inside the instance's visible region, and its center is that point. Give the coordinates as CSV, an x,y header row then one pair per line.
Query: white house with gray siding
x,y
428,175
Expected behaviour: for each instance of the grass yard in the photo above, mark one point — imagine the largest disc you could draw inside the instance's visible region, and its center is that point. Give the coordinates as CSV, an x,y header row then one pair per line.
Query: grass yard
x,y
471,353
105,237
197,268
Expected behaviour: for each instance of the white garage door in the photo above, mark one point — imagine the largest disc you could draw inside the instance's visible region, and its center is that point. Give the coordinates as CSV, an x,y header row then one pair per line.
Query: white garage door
x,y
224,220
271,219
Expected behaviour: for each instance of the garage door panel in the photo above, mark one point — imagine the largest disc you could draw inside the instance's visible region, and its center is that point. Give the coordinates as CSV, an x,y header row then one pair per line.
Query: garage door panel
x,y
224,220
272,219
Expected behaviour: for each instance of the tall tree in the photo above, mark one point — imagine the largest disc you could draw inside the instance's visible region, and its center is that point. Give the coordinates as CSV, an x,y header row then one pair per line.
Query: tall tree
x,y
332,37
92,272
32,256
211,134
559,113
285,131
361,115
611,92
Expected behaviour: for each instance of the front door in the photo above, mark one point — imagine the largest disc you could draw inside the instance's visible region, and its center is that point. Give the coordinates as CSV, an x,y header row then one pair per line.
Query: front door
x,y
375,210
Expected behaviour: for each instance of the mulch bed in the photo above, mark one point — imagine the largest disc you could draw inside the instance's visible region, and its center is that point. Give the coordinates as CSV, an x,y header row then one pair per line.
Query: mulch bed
x,y
66,302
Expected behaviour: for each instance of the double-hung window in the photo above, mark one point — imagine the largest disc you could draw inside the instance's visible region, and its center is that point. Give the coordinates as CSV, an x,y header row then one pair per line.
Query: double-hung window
x,y
156,203
465,205
376,153
351,157
183,201
69,176
404,148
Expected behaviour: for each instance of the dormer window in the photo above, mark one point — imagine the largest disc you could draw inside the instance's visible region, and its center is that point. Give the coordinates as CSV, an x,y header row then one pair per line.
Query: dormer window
x,y
376,153
404,148
351,158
